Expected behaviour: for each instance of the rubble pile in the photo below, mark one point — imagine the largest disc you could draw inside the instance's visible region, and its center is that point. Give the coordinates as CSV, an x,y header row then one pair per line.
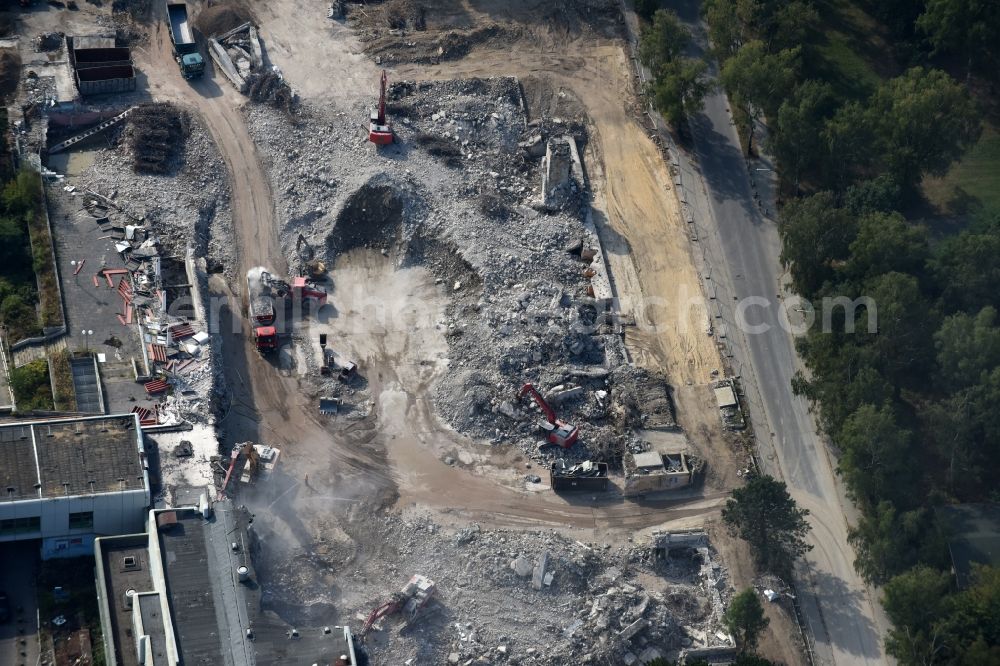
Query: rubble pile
x,y
461,193
190,208
515,597
158,223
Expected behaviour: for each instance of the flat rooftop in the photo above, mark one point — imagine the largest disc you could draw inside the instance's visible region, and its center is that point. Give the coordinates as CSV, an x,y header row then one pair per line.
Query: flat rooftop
x,y
210,608
120,576
66,457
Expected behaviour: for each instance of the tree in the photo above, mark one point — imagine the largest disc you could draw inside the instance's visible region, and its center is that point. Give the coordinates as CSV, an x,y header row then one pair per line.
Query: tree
x,y
725,30
967,269
646,8
922,122
915,601
763,514
663,41
875,460
849,136
759,81
679,89
745,619
964,430
796,134
815,234
875,195
968,348
887,542
903,344
965,27
886,242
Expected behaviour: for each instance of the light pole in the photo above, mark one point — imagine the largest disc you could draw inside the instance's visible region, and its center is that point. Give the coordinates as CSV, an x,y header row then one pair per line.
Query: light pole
x,y
86,337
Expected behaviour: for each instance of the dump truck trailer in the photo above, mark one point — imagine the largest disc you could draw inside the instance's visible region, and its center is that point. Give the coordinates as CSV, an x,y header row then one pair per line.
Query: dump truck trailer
x,y
588,475
185,47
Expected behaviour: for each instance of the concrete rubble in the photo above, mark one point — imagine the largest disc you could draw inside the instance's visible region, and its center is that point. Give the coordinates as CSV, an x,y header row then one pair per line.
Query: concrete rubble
x,y
171,230
471,196
600,603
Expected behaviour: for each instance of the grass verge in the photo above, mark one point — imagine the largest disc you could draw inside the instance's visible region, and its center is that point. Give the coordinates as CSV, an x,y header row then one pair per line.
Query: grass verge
x,y
62,378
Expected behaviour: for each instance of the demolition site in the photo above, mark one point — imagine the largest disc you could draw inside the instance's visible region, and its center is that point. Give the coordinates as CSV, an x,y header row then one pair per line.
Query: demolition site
x,y
361,295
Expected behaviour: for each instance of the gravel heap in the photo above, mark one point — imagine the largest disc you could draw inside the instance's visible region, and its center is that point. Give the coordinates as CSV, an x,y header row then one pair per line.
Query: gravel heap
x,y
488,607
460,194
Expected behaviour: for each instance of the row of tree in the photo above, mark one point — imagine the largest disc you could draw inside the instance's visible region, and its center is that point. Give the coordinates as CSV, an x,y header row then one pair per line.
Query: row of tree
x,y
910,403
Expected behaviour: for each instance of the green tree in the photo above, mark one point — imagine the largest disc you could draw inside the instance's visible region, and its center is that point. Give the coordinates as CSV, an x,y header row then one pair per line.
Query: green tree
x,y
966,28
796,138
759,81
876,456
646,8
886,242
815,234
874,195
663,42
967,269
923,121
679,89
968,348
887,542
915,601
31,386
964,430
903,344
725,30
763,514
849,136
745,619
22,195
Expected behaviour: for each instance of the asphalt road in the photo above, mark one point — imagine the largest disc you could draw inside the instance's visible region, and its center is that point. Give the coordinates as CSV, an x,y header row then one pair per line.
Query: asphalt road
x,y
739,248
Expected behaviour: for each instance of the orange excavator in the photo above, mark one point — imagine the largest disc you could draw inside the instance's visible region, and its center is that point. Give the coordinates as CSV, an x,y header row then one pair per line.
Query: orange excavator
x,y
409,601
560,433
379,129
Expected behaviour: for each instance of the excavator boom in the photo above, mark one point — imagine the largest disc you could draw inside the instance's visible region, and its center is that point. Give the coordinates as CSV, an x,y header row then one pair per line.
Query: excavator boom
x,y
529,389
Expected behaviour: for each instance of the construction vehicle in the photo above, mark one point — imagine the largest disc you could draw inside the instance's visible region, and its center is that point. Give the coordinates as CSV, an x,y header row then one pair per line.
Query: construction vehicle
x,y
379,130
410,602
559,432
263,291
185,47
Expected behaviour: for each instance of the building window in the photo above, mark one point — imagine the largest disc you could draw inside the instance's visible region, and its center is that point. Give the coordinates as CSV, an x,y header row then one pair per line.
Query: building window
x,y
20,525
81,521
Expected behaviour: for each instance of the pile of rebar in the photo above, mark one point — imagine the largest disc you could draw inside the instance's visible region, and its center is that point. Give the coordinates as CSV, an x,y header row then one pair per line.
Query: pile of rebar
x,y
156,137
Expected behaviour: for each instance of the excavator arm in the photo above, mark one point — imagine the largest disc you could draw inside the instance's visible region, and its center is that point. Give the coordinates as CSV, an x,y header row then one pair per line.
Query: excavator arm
x,y
529,389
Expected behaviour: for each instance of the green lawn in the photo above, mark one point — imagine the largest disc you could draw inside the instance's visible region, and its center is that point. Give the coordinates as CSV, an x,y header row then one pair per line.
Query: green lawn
x,y
849,49
973,183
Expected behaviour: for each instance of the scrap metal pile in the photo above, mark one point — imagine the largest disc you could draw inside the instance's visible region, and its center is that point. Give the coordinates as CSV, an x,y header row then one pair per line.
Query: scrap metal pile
x,y
156,137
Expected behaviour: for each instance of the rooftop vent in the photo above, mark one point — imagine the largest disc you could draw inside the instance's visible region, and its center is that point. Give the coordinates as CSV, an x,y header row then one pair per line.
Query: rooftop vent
x,y
130,562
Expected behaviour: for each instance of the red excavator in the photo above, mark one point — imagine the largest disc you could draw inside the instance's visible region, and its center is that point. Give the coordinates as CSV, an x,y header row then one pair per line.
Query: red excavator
x,y
409,601
379,129
560,433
